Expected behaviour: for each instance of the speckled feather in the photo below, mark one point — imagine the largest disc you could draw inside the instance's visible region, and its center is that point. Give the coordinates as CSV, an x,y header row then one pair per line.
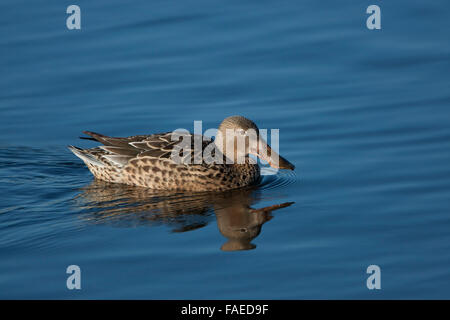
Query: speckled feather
x,y
146,161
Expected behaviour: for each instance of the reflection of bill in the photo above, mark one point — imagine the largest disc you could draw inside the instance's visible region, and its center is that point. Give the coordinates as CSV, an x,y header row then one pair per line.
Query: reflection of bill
x,y
241,224
122,205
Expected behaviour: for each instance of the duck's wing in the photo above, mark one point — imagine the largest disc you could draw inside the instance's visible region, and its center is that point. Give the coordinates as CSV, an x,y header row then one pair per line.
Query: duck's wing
x,y
158,146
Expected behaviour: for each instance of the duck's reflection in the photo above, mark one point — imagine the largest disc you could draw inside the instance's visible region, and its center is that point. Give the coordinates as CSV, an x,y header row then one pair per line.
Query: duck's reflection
x,y
123,205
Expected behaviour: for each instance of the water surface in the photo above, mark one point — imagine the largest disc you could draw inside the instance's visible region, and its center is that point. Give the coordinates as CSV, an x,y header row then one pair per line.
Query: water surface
x,y
363,115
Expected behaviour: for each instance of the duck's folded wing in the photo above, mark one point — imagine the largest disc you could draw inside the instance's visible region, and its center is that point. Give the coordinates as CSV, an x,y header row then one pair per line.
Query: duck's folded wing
x,y
160,146
181,147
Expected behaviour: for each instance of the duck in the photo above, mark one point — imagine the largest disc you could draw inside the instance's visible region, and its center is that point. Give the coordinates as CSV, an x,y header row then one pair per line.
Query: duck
x,y
182,161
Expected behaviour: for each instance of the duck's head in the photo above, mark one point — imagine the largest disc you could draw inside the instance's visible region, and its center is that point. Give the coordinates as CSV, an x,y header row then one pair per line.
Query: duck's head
x,y
238,137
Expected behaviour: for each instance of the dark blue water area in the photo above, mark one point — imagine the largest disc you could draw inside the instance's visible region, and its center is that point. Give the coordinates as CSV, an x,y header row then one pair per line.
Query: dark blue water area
x,y
363,115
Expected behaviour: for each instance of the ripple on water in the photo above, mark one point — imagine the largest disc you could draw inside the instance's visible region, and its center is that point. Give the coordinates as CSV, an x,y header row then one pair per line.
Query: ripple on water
x,y
273,179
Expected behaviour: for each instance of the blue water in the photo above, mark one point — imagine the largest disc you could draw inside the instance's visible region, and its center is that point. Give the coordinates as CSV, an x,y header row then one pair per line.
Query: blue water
x,y
364,115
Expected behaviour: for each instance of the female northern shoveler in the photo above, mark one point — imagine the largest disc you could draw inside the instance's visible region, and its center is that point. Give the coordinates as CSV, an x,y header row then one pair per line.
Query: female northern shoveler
x,y
148,160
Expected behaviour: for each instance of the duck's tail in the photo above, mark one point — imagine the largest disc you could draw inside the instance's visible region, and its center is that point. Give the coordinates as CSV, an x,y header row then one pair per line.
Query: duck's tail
x,y
86,156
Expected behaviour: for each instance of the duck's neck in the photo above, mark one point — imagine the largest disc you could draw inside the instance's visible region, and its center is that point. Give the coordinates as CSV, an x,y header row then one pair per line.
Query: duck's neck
x,y
231,149
230,155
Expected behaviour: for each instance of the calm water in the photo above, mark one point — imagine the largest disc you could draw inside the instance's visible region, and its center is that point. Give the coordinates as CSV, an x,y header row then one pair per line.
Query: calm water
x,y
364,115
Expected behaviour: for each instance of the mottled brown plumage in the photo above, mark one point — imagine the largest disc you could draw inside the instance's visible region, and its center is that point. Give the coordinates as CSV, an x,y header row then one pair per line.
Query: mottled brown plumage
x,y
148,161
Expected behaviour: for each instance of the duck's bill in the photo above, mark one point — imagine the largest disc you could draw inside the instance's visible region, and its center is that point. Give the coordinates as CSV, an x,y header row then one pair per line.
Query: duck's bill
x,y
265,152
282,164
